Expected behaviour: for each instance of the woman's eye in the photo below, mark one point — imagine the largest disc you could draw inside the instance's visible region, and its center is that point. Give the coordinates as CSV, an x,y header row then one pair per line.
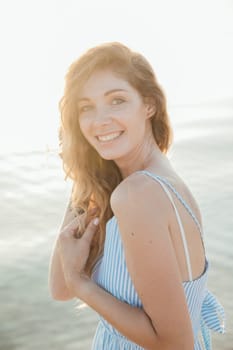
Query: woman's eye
x,y
117,101
84,108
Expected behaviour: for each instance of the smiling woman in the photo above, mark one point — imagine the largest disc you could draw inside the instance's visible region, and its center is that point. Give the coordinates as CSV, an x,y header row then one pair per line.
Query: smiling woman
x,y
131,244
110,118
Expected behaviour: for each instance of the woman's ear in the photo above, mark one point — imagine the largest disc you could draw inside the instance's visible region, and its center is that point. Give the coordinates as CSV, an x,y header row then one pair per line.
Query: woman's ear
x,y
150,107
150,110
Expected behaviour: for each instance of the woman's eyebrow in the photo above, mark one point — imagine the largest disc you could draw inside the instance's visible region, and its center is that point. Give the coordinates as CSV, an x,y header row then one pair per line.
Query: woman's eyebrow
x,y
112,91
105,94
83,99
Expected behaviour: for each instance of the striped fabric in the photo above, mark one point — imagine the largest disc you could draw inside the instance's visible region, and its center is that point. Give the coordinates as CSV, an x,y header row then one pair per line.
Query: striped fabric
x,y
111,273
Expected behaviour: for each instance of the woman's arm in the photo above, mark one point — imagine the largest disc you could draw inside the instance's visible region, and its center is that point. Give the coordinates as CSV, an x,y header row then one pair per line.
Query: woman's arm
x,y
57,284
130,321
143,213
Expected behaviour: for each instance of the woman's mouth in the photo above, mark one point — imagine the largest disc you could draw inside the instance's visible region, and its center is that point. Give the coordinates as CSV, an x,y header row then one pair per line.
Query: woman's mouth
x,y
109,137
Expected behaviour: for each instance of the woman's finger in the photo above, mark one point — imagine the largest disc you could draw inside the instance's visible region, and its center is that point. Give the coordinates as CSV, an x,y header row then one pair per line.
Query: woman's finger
x,y
70,228
90,230
74,223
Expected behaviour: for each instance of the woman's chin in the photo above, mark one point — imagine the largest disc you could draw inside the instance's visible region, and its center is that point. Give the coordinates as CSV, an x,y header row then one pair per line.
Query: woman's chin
x,y
110,155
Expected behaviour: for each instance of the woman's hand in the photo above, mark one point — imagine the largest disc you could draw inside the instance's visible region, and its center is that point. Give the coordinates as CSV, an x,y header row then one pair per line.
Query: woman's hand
x,y
74,251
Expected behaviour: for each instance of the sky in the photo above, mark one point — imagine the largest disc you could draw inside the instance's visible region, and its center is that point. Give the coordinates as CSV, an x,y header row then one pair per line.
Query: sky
x,y
189,44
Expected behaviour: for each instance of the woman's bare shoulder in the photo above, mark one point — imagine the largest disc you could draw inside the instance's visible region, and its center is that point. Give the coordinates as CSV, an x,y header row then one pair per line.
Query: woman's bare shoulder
x,y
137,189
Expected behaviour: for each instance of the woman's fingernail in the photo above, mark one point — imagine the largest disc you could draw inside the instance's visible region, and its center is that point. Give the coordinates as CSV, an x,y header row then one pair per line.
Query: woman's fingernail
x,y
96,221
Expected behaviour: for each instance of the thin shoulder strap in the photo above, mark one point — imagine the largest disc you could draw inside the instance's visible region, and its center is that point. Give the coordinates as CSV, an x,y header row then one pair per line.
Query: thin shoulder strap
x,y
187,207
179,222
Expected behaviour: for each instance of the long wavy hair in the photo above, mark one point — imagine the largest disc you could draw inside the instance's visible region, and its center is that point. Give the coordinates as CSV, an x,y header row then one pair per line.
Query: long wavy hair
x,y
95,178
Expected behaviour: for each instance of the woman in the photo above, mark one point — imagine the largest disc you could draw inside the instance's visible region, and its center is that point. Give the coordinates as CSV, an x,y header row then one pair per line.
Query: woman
x,y
131,244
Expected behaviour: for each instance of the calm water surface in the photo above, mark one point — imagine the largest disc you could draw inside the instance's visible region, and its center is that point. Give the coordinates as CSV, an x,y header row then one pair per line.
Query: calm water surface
x,y
34,196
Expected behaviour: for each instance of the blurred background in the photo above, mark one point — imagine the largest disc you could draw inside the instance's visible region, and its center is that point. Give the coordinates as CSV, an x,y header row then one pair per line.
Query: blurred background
x,y
190,45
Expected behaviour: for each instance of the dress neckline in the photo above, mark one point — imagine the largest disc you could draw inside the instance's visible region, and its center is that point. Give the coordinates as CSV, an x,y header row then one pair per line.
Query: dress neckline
x,y
197,279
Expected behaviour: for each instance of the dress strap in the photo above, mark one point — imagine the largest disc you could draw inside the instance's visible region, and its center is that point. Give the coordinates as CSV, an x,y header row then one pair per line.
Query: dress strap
x,y
178,220
187,207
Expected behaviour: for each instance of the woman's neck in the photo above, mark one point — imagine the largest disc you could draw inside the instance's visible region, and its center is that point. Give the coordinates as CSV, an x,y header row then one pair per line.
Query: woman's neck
x,y
149,158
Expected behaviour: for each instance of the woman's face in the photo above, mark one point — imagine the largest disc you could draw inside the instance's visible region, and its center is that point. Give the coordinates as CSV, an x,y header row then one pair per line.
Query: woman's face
x,y
112,115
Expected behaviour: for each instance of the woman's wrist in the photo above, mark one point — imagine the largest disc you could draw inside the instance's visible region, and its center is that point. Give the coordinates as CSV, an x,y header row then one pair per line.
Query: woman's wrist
x,y
81,285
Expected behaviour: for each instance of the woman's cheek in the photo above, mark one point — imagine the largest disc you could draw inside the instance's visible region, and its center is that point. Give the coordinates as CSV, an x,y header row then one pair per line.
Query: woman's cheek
x,y
84,132
84,124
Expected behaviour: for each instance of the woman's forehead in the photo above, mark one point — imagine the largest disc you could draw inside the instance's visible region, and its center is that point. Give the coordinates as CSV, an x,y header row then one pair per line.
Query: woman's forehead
x,y
103,81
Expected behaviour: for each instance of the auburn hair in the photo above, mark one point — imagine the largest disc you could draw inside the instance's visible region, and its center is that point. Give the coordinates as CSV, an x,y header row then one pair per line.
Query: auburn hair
x,y
95,178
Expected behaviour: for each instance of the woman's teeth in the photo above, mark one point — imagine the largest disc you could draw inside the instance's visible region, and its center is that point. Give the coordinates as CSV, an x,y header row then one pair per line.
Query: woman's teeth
x,y
109,137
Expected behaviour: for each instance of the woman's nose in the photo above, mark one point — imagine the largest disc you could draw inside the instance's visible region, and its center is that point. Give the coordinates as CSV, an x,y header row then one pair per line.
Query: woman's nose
x,y
102,117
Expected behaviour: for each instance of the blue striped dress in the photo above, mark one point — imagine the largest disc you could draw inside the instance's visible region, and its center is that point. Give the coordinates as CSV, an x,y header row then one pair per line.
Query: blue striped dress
x,y
111,273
